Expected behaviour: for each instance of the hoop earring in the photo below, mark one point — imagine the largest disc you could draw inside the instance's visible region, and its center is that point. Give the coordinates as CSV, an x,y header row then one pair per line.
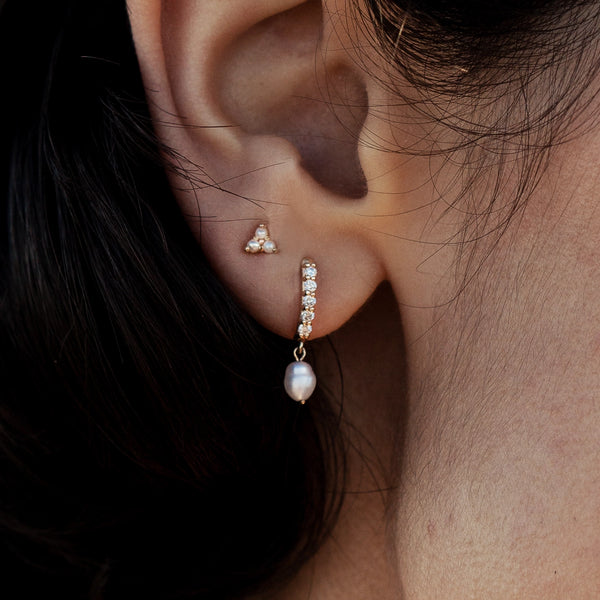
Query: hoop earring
x,y
300,379
261,242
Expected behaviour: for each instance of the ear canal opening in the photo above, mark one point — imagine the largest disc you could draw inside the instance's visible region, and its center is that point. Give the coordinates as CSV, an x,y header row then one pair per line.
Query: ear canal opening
x,y
277,81
327,131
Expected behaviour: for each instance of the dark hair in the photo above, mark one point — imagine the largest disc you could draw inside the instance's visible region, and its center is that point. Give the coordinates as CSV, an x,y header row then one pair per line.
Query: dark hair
x,y
146,448
504,83
477,53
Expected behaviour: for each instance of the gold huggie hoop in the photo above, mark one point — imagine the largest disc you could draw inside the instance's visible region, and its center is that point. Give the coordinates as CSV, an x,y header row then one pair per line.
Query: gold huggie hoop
x,y
300,380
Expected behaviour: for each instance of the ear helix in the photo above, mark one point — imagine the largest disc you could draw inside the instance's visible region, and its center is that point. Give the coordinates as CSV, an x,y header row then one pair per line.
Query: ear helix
x,y
300,380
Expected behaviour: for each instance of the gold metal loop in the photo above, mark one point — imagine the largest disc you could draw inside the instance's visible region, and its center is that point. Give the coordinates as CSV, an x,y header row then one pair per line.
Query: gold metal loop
x,y
300,352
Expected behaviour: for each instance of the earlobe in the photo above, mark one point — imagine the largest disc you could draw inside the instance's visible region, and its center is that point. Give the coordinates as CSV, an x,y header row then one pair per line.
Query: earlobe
x,y
233,88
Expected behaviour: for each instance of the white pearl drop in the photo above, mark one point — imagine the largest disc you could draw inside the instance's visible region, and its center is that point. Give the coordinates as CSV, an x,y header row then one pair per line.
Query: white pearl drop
x,y
299,381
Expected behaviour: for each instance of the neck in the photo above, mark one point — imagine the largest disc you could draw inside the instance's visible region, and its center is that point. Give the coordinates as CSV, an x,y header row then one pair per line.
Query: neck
x,y
504,416
527,324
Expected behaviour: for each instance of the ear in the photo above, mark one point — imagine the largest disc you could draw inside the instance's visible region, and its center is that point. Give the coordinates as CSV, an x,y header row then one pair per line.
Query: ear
x,y
266,111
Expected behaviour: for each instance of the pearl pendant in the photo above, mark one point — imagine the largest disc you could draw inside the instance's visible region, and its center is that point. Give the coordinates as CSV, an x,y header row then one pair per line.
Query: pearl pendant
x,y
299,381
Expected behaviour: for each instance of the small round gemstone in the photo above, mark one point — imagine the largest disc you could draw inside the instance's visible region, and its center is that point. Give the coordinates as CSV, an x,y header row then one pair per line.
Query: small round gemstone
x,y
309,286
307,315
308,301
304,330
309,272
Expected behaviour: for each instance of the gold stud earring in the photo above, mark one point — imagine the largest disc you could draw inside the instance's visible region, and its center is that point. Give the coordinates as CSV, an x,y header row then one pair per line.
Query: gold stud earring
x,y
261,242
300,379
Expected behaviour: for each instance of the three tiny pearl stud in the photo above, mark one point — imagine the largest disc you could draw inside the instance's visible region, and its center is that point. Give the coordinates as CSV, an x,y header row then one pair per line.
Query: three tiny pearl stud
x,y
261,242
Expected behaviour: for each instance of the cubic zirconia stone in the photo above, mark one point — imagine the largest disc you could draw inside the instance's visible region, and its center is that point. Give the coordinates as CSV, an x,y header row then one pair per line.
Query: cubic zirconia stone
x,y
304,330
309,272
308,301
307,315
309,286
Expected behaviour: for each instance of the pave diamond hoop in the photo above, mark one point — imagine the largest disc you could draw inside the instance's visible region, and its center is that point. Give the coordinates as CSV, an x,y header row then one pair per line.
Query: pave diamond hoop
x,y
300,380
309,300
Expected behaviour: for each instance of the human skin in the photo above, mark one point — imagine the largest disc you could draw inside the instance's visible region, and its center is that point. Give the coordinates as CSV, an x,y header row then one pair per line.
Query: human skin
x,y
480,412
